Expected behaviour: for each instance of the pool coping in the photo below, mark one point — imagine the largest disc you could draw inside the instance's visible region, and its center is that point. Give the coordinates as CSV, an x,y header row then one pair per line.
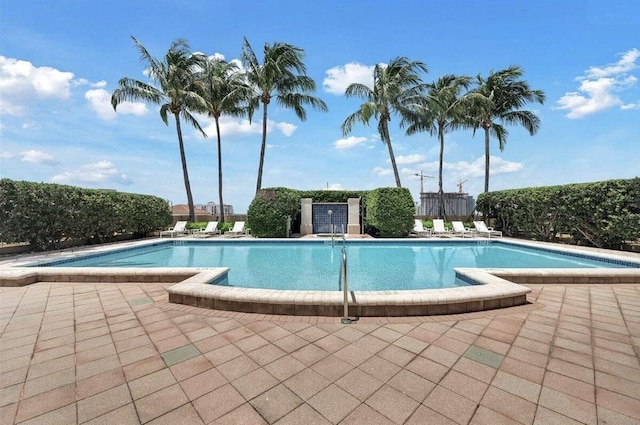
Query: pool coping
x,y
495,288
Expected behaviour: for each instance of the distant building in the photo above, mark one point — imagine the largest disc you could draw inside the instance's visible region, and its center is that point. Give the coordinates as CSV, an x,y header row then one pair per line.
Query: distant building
x,y
455,204
183,209
213,208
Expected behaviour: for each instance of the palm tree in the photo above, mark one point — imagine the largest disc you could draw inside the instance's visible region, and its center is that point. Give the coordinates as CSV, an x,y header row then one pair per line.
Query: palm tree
x,y
224,92
501,97
177,93
392,85
438,111
282,74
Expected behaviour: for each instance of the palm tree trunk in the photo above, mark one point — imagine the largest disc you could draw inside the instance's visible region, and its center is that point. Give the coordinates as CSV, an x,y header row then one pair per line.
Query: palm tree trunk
x,y
391,155
441,212
486,159
262,148
185,173
221,218
393,163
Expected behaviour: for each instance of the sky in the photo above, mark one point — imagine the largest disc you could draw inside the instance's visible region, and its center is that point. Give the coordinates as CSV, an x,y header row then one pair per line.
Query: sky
x,y
60,61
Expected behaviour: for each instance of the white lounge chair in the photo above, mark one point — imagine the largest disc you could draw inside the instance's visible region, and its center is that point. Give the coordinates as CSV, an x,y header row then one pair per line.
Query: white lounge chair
x,y
180,228
419,230
439,229
237,230
210,230
459,229
482,229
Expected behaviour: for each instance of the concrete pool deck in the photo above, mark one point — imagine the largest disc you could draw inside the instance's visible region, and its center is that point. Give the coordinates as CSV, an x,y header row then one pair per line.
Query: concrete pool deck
x,y
496,288
120,353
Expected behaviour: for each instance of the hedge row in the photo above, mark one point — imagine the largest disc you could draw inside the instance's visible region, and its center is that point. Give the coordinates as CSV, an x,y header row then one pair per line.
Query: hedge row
x,y
603,214
388,211
46,215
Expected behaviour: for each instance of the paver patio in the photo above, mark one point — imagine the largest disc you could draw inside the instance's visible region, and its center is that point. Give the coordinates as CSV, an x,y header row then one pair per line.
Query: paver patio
x,y
110,353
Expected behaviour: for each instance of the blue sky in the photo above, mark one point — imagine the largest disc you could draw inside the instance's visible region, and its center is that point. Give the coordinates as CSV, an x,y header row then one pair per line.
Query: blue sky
x,y
60,61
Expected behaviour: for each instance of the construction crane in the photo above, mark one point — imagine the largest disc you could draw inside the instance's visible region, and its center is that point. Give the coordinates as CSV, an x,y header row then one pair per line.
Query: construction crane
x,y
422,176
460,183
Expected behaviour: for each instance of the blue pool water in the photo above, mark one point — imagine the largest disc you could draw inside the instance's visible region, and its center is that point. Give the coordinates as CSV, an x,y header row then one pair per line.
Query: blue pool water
x,y
316,266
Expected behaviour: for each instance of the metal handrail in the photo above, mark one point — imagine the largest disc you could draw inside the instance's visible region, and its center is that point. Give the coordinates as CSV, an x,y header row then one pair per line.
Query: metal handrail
x,y
332,231
345,287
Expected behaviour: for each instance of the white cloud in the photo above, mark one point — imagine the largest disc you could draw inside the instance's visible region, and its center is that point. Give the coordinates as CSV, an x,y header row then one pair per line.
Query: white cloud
x,y
131,108
232,127
630,106
37,157
97,173
379,171
410,159
286,128
600,88
100,101
624,65
99,84
349,142
476,168
21,81
32,156
340,77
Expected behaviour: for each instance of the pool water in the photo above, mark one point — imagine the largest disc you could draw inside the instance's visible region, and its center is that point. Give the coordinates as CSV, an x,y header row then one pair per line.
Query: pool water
x,y
316,266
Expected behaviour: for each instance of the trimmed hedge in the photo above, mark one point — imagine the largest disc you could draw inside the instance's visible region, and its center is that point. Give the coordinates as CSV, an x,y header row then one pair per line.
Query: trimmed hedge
x,y
45,215
389,213
603,214
267,214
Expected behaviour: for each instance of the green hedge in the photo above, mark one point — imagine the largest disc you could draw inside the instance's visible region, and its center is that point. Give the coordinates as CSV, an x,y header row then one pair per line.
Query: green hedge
x,y
267,214
390,213
603,214
45,215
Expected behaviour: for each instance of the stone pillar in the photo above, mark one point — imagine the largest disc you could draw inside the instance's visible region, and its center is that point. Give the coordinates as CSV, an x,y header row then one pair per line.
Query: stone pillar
x,y
353,226
306,221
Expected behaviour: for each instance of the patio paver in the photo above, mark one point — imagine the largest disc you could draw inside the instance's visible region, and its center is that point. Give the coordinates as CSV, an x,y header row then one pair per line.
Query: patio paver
x,y
120,353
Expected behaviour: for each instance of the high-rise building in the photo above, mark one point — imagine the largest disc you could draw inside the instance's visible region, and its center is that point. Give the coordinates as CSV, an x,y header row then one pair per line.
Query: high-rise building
x,y
455,204
213,208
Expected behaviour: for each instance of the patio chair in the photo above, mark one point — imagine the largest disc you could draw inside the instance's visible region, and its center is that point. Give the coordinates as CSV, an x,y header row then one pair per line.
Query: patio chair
x,y
237,230
459,229
439,229
180,228
210,230
482,229
419,230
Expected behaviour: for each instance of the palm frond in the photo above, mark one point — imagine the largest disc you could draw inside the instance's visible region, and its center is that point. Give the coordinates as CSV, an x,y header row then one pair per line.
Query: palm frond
x,y
349,122
190,119
164,113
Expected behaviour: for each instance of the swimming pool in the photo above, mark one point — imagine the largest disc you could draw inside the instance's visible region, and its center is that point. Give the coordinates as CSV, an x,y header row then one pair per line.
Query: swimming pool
x,y
505,283
315,265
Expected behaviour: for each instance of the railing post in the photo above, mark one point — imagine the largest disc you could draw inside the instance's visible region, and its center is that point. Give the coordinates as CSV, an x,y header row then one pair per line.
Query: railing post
x,y
345,289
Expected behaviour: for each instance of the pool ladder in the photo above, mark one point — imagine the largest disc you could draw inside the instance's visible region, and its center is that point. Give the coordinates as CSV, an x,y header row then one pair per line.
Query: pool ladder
x,y
344,283
344,237
342,278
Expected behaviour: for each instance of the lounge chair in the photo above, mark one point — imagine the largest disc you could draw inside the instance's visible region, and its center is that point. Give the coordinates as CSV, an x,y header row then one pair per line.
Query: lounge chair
x,y
439,229
210,230
459,229
419,230
482,229
237,230
180,228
